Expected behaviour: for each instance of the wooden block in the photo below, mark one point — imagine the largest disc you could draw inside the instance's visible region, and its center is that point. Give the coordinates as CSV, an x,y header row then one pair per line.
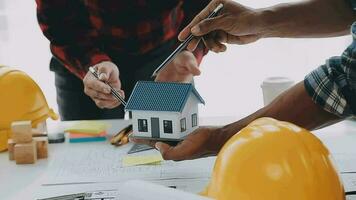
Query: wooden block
x,y
21,132
11,147
41,147
26,153
21,126
38,133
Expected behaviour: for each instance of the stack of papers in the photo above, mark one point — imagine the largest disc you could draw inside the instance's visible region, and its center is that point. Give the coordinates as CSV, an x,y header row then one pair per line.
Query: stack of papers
x,y
82,137
87,131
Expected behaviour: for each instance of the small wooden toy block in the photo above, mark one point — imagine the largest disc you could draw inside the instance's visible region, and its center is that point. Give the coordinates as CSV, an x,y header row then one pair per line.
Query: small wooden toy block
x,y
21,131
10,147
41,147
26,153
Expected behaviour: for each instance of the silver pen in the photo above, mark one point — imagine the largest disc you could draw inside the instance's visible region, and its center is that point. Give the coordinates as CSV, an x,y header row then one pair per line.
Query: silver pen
x,y
113,91
184,44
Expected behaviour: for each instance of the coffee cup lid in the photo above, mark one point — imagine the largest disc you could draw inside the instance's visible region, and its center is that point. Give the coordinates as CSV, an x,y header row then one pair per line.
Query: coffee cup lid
x,y
277,80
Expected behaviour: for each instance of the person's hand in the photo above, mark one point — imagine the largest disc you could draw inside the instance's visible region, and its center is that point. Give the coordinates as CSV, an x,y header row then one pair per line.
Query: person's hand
x,y
204,141
181,69
98,90
235,24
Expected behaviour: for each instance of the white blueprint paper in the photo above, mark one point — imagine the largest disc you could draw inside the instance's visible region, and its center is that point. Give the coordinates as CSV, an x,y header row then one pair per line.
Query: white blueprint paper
x,y
103,163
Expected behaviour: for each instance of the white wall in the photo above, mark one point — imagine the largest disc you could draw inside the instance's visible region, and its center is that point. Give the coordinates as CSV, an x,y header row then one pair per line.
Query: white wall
x,y
230,82
24,47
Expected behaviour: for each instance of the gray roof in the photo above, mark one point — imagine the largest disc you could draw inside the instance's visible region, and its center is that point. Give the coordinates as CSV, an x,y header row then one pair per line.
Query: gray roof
x,y
161,96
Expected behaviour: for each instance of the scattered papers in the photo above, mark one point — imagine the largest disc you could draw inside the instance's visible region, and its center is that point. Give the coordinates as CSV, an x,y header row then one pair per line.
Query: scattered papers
x,y
123,190
349,181
141,160
142,190
88,127
80,137
104,163
346,163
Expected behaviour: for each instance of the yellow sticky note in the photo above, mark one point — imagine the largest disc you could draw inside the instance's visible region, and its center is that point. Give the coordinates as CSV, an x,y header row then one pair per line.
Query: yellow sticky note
x,y
88,127
141,160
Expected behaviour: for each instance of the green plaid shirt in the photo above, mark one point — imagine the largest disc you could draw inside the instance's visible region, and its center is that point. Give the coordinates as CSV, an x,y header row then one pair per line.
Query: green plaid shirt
x,y
333,85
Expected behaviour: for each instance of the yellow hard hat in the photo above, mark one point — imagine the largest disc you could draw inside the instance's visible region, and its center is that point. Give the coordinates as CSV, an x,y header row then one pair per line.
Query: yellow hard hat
x,y
20,99
274,160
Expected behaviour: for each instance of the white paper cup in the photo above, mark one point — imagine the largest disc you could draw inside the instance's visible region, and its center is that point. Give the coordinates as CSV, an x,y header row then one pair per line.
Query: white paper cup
x,y
274,86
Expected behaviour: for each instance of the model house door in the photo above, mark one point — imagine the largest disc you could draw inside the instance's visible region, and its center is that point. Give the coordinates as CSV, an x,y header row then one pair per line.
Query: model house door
x,y
155,127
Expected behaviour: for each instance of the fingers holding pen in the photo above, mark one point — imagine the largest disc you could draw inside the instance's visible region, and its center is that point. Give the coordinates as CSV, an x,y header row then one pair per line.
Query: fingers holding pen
x,y
99,90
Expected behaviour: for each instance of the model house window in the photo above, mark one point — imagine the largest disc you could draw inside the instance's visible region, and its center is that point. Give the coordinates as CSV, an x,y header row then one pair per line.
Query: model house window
x,y
142,125
183,125
194,120
167,126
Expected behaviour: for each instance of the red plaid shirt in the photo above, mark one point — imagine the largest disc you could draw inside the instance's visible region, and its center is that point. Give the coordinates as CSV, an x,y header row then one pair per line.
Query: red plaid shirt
x,y
82,32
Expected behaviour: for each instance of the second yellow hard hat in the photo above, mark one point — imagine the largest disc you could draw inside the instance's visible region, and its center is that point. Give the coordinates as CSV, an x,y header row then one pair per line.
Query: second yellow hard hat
x,y
274,160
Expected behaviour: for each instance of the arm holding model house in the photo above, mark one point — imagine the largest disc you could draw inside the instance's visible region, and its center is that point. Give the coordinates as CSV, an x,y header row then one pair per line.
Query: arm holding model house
x,y
327,95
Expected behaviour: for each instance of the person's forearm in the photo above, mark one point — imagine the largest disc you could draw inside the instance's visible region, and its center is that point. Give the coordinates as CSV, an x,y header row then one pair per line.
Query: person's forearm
x,y
294,106
310,18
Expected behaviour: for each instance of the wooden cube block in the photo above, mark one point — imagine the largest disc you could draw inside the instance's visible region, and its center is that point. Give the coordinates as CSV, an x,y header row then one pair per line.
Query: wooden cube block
x,y
11,147
26,153
41,147
21,131
38,133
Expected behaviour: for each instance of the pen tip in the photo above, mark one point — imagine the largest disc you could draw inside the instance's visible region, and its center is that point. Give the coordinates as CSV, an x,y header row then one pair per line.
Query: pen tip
x,y
219,7
91,69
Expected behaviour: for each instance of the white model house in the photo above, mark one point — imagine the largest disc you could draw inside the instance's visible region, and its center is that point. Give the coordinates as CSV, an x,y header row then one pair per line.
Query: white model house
x,y
162,110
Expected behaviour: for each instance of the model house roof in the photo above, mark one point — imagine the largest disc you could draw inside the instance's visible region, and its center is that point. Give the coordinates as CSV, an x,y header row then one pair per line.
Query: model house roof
x,y
161,96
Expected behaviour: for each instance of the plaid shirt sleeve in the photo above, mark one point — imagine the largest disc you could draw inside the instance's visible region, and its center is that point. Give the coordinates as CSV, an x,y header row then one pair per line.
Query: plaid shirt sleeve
x,y
333,85
191,9
72,39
